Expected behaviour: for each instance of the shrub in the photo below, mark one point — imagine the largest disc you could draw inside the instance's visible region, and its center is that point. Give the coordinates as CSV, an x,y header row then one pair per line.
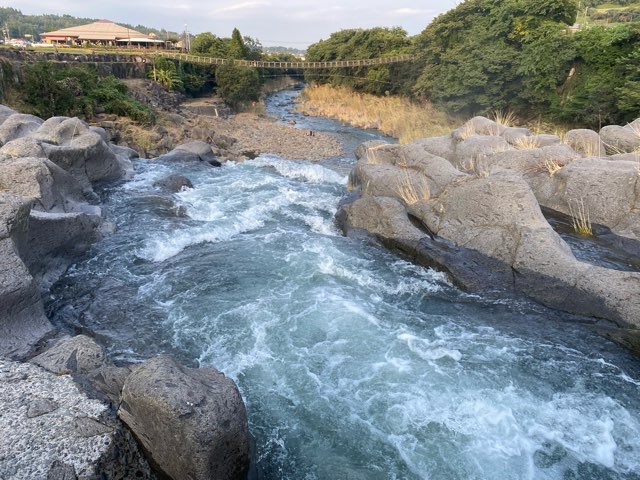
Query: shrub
x,y
237,85
77,91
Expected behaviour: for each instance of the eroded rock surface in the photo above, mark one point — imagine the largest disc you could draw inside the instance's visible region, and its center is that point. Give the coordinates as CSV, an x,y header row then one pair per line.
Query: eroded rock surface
x,y
191,422
50,429
470,204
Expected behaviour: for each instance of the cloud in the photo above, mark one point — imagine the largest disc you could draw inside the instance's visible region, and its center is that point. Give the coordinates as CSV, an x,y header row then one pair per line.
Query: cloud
x,y
236,7
409,12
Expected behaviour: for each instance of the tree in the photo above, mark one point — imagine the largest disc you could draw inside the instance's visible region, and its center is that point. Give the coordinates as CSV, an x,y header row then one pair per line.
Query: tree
x,y
237,85
236,48
488,55
361,44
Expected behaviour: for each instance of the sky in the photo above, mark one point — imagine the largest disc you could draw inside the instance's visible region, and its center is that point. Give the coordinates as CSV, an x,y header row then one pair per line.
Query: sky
x,y
290,23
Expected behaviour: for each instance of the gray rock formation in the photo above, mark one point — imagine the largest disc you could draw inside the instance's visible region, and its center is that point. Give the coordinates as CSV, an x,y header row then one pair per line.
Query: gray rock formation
x,y
191,422
18,125
77,354
196,151
419,204
49,168
22,147
22,319
618,139
50,188
174,183
56,239
51,430
586,142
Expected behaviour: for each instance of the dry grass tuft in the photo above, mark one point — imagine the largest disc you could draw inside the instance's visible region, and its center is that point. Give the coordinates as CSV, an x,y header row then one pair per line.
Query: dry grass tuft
x,y
394,116
468,130
142,137
553,166
635,129
526,143
372,155
505,118
580,218
408,192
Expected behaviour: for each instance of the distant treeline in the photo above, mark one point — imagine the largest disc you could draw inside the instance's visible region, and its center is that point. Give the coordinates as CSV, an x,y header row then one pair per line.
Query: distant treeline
x,y
20,25
489,55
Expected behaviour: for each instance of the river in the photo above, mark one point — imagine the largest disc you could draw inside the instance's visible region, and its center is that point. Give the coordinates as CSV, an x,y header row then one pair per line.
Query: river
x,y
354,363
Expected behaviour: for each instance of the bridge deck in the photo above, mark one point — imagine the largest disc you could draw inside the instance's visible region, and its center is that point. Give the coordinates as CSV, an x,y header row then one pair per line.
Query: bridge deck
x,y
185,57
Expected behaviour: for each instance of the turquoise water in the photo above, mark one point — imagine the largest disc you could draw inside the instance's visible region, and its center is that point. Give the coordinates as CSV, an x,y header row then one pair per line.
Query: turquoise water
x,y
354,364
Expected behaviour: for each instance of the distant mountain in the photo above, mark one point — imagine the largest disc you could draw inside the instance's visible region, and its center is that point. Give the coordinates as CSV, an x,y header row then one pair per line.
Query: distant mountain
x,y
19,25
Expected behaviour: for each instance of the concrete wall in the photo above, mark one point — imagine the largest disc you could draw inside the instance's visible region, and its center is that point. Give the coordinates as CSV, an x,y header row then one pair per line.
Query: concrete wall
x,y
118,65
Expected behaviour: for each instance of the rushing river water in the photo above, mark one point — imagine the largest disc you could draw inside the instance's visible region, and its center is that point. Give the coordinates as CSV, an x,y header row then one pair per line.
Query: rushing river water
x,y
354,364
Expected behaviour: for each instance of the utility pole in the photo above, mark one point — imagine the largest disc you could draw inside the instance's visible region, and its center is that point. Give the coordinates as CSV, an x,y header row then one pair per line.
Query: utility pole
x,y
186,40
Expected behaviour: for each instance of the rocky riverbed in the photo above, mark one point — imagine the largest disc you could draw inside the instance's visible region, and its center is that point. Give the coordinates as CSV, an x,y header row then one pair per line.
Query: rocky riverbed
x,y
234,137
470,203
189,423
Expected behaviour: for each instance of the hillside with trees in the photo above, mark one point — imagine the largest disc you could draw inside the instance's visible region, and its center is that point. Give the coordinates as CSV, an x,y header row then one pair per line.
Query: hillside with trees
x,y
490,55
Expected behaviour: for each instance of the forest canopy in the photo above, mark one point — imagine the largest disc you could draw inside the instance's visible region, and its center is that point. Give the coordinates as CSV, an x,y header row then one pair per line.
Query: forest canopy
x,y
490,55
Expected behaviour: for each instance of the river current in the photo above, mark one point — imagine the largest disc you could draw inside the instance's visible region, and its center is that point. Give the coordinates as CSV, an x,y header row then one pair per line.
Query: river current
x,y
354,363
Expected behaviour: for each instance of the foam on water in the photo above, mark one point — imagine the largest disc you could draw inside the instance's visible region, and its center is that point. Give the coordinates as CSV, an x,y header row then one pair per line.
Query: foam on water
x,y
304,171
353,363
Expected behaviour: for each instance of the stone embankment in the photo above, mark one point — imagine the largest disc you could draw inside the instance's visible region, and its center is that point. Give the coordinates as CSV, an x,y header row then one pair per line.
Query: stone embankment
x,y
69,412
471,203
118,65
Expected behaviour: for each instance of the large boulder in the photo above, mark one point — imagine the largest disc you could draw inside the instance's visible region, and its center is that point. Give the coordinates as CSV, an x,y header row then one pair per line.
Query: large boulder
x,y
473,150
55,240
609,191
478,126
50,187
191,422
22,319
22,147
78,354
52,430
442,146
586,142
87,158
196,151
18,125
5,112
173,183
618,139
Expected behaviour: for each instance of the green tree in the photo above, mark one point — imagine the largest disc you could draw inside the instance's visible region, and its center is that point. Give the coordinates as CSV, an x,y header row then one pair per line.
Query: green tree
x,y
237,48
237,85
487,55
361,44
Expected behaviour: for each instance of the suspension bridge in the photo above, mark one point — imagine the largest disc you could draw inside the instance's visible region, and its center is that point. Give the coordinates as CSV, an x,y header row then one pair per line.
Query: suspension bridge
x,y
301,65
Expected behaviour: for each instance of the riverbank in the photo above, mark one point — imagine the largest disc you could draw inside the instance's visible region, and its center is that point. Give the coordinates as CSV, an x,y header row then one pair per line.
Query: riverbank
x,y
394,116
50,216
235,137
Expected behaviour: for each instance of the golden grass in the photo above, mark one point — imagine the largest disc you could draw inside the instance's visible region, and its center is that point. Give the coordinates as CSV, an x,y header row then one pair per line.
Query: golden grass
x,y
553,166
526,143
580,218
468,130
142,137
372,155
409,193
394,116
505,118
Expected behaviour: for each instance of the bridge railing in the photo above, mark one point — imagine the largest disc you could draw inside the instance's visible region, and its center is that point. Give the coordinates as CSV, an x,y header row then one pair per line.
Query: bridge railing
x,y
185,57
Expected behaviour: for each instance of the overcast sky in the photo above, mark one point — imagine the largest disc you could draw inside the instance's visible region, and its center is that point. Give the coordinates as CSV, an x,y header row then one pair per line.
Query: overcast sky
x,y
290,23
